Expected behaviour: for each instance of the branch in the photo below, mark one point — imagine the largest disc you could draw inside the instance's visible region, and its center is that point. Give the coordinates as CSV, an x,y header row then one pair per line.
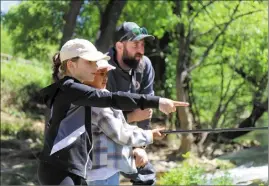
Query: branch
x,y
199,11
222,82
229,84
264,79
232,97
223,108
219,110
245,76
256,113
211,64
193,104
222,70
217,63
224,119
210,47
235,18
215,23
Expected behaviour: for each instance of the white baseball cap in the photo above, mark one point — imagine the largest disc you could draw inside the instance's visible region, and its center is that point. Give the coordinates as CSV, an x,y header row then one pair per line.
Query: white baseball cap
x,y
81,48
101,64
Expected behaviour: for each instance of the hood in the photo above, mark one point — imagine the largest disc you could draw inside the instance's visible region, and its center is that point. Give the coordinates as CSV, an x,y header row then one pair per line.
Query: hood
x,y
48,93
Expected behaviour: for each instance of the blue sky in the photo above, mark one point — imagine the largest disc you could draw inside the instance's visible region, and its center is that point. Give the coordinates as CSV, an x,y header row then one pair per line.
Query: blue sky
x,y
6,5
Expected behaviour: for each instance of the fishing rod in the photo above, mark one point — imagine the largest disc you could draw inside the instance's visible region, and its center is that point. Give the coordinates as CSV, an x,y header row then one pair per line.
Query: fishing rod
x,y
214,130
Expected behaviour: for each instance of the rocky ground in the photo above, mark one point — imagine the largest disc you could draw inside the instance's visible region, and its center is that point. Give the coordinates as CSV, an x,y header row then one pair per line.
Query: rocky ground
x,y
19,161
19,157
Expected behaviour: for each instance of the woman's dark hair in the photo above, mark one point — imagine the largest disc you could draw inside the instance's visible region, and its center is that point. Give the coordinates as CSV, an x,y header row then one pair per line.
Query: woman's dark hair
x,y
59,68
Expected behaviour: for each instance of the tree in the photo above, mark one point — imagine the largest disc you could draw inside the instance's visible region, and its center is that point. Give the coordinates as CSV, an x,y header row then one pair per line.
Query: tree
x,y
240,49
70,19
107,27
212,54
201,37
37,25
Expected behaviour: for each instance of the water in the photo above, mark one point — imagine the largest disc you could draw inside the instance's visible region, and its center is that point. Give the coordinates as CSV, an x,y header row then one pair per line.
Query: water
x,y
244,175
252,166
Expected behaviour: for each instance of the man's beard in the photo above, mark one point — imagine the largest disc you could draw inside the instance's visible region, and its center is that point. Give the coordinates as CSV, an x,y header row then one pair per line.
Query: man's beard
x,y
130,61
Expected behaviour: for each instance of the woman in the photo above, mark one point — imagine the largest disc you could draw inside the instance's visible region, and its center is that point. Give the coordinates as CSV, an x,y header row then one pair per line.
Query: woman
x,y
67,146
114,139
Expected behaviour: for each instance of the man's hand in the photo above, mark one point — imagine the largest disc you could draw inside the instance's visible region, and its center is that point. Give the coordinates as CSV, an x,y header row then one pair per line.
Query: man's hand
x,y
139,115
167,105
141,157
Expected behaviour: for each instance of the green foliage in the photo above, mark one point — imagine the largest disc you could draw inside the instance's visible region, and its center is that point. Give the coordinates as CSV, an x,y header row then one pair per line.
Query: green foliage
x,y
157,20
171,68
242,46
260,136
15,77
89,21
222,180
10,129
192,174
185,175
37,25
21,130
213,86
6,46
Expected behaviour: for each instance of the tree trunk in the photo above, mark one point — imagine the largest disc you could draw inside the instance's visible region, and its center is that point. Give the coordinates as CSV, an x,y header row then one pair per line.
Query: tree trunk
x,y
185,118
184,115
70,19
108,24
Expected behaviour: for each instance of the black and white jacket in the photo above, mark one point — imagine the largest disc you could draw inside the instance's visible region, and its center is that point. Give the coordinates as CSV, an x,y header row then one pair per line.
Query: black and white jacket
x,y
68,136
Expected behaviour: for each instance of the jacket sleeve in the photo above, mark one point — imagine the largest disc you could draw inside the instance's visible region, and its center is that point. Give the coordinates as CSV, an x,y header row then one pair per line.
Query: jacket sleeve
x,y
83,95
112,125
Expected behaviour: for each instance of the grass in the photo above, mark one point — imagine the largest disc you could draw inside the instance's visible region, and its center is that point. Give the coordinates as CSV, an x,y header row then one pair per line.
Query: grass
x,y
20,86
16,75
21,128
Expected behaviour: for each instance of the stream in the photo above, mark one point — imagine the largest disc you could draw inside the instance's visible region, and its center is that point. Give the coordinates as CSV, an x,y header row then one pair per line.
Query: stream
x,y
252,164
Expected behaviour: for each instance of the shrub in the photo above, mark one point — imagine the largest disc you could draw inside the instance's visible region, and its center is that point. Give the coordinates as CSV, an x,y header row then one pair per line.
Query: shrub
x,y
184,175
21,84
189,174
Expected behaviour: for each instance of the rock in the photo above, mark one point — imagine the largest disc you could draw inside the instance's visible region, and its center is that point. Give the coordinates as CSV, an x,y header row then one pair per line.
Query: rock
x,y
172,165
5,151
160,168
218,152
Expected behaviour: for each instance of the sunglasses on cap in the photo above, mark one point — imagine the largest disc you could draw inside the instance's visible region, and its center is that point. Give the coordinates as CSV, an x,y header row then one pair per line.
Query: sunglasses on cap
x,y
135,32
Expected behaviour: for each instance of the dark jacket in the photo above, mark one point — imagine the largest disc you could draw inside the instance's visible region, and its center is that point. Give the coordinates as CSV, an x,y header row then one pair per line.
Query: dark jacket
x,y
68,136
139,81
